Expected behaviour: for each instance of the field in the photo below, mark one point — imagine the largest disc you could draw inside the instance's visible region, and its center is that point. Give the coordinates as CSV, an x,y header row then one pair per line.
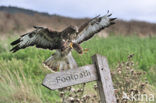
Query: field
x,y
21,73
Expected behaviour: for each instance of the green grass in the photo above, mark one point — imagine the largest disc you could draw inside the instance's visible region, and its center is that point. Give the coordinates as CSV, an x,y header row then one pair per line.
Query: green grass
x,y
23,72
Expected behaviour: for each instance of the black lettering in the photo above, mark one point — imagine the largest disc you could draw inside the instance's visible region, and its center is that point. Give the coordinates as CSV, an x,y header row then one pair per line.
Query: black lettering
x,y
71,76
63,79
81,75
58,79
85,73
76,76
68,78
89,74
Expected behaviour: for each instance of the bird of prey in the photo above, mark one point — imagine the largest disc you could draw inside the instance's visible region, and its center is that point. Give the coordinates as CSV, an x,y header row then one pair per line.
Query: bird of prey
x,y
63,42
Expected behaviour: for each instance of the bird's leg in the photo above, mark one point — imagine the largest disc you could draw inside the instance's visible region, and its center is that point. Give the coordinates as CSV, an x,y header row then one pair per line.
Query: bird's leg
x,y
78,48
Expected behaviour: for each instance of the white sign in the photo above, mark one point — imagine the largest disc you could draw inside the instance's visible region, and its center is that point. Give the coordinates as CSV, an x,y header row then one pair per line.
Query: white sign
x,y
70,77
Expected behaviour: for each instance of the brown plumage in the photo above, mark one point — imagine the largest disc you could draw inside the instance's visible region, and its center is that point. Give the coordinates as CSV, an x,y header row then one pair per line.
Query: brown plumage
x,y
63,42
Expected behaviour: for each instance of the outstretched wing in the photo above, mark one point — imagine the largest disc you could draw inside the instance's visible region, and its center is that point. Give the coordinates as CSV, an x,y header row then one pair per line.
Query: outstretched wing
x,y
41,38
81,28
94,26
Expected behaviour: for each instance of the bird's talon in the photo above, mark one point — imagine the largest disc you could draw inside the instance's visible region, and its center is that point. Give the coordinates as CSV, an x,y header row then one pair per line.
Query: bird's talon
x,y
71,45
86,50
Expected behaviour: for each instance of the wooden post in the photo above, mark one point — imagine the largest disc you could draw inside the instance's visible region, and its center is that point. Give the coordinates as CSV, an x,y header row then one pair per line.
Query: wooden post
x,y
104,81
98,71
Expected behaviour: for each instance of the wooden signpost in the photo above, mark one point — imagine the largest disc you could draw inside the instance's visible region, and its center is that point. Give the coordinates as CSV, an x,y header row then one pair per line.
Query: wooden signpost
x,y
98,71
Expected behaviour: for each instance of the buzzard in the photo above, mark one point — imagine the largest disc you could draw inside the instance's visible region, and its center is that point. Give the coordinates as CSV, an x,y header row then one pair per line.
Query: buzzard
x,y
63,42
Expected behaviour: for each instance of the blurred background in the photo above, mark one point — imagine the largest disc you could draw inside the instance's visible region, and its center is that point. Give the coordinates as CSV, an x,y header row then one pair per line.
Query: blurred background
x,y
129,46
134,17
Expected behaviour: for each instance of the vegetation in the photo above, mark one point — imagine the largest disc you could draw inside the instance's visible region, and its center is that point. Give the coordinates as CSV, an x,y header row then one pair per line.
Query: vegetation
x,y
21,73
11,23
124,80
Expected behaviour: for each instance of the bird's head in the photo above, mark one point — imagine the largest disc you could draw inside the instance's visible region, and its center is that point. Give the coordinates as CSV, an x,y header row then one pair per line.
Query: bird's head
x,y
73,29
72,32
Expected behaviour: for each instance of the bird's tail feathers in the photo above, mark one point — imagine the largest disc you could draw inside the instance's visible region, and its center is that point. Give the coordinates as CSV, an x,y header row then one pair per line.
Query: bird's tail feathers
x,y
65,63
51,63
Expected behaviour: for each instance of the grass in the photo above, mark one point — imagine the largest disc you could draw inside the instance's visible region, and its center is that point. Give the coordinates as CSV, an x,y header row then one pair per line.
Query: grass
x,y
21,73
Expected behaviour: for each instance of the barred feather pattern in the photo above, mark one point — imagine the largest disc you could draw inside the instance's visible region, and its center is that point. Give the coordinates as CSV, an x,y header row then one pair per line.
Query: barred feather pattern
x,y
39,38
93,27
47,39
55,63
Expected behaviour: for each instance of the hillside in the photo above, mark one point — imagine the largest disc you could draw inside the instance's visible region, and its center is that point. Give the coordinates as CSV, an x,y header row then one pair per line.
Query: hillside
x,y
13,10
16,20
131,59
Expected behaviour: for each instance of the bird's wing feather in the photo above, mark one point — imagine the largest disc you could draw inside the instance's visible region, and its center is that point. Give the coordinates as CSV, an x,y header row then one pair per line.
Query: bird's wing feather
x,y
94,26
81,28
40,37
